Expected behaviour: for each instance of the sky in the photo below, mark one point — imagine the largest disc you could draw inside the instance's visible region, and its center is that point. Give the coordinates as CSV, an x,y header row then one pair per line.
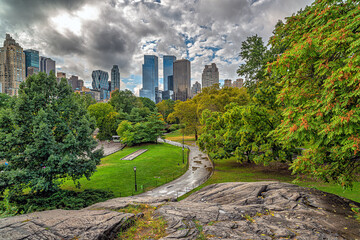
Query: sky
x,y
87,35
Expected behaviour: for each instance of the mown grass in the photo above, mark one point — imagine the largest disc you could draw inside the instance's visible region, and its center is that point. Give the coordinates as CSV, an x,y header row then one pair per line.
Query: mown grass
x,y
229,170
177,136
160,164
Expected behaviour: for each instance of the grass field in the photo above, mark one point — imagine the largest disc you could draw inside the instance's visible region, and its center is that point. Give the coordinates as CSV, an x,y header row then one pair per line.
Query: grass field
x,y
177,136
155,167
229,170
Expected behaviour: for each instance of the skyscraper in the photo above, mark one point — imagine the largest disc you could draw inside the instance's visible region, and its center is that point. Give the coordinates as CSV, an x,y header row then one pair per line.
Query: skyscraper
x,y
182,78
100,82
210,75
195,89
12,66
47,65
31,62
168,68
227,83
150,77
115,78
238,83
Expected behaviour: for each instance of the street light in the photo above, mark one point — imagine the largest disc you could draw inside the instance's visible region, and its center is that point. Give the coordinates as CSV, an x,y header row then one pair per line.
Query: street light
x,y
135,179
183,145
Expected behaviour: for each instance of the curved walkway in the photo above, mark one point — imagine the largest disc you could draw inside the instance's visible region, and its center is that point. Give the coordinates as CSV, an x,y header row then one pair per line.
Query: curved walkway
x,y
200,169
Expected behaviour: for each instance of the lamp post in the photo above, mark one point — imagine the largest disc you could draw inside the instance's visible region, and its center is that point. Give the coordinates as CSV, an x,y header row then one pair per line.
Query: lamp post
x,y
183,146
135,179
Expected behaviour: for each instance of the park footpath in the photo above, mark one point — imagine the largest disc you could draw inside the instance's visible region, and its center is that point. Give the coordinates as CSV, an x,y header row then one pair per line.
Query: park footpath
x,y
102,220
200,169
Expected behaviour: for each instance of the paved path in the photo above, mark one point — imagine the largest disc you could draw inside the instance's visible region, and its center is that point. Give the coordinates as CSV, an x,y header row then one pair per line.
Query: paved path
x,y
200,169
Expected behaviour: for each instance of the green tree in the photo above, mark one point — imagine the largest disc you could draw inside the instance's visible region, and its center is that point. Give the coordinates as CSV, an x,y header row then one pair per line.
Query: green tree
x,y
106,119
139,114
45,138
187,114
141,132
124,101
165,107
146,102
4,100
253,52
319,77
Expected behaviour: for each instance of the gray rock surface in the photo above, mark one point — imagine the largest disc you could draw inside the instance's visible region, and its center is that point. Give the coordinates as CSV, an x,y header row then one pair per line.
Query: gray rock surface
x,y
65,224
262,210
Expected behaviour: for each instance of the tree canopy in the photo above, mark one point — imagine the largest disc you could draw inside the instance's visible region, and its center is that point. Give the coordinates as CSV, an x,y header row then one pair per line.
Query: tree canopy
x,y
45,138
319,76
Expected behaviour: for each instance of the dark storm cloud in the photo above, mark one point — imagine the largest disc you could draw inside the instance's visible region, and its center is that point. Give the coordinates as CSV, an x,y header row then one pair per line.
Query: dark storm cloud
x,y
66,43
125,30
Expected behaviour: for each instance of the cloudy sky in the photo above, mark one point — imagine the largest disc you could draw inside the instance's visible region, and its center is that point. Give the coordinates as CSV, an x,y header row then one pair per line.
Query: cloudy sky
x,y
86,35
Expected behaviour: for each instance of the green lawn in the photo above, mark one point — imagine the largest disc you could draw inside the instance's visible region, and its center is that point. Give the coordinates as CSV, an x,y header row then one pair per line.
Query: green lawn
x,y
177,136
155,167
229,170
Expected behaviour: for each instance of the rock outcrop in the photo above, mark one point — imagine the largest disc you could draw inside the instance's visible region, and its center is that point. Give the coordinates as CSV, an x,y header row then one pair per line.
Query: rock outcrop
x,y
65,224
261,210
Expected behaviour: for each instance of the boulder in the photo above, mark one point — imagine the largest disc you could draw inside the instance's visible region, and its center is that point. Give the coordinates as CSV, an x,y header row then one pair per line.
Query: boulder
x,y
261,210
65,224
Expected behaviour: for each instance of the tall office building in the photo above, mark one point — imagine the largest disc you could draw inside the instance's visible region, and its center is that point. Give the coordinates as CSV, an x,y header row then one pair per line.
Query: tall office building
x,y
100,83
47,65
227,83
115,78
12,66
210,75
182,79
195,89
75,83
238,83
168,68
31,62
150,77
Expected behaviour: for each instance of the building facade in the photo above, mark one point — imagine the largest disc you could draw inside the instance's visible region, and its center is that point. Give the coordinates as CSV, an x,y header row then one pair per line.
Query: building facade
x,y
195,89
227,83
115,78
210,75
12,66
238,83
59,76
31,62
100,83
150,77
168,70
75,83
182,79
47,65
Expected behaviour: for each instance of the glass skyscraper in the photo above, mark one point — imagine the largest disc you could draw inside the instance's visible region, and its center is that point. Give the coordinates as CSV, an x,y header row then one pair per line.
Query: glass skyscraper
x,y
115,78
182,79
31,61
100,82
150,77
168,65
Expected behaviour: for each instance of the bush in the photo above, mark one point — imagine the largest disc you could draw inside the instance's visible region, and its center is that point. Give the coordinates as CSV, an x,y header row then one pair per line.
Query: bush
x,y
174,127
63,199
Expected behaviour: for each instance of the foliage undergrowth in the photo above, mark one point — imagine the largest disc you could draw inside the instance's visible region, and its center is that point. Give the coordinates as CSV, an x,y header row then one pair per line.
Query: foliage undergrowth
x,y
63,199
147,227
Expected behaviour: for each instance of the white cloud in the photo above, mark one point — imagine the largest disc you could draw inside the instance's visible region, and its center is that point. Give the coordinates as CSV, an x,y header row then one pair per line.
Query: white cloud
x,y
89,34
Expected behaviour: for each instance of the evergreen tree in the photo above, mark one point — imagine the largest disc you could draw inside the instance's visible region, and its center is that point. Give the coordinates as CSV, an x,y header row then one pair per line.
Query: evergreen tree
x,y
46,137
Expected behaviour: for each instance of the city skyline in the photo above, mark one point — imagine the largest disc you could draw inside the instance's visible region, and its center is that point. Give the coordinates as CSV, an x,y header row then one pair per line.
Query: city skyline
x,y
85,35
